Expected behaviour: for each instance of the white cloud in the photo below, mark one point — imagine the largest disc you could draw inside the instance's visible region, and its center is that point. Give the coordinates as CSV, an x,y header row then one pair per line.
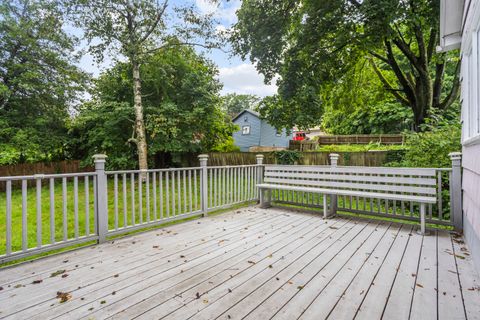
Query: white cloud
x,y
244,79
225,11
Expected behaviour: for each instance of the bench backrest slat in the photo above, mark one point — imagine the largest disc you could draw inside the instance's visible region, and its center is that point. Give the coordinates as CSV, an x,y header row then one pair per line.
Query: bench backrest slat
x,y
407,181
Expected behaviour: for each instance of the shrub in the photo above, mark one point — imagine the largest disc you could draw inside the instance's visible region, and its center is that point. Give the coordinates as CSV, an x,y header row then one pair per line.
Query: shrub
x,y
287,156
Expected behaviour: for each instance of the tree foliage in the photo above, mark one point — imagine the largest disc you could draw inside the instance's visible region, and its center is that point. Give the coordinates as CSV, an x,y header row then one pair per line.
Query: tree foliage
x,y
310,43
182,109
135,29
234,103
39,81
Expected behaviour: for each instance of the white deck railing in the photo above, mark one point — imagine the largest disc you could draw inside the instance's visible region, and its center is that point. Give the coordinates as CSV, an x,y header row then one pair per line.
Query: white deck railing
x,y
63,210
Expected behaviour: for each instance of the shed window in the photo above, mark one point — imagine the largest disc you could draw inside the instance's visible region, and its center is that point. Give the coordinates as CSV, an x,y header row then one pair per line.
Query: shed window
x,y
245,130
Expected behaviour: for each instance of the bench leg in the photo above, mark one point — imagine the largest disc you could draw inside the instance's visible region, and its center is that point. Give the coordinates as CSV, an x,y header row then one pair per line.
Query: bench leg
x,y
422,219
325,207
264,198
333,204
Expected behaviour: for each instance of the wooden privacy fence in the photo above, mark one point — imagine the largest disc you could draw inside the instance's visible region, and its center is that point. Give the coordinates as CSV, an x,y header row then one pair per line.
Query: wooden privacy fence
x,y
23,169
367,158
362,139
62,210
305,145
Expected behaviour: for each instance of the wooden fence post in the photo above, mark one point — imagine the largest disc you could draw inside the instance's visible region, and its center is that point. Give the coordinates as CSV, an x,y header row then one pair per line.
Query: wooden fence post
x,y
456,191
333,198
101,197
203,158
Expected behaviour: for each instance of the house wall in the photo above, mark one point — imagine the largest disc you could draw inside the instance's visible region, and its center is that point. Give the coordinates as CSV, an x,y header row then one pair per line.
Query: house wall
x,y
470,97
253,139
269,138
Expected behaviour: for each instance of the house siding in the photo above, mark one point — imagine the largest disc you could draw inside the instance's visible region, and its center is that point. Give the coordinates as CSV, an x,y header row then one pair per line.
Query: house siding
x,y
269,138
244,142
471,199
471,149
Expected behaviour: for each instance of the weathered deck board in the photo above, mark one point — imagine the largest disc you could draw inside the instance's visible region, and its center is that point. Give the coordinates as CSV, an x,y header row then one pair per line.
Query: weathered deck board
x,y
256,264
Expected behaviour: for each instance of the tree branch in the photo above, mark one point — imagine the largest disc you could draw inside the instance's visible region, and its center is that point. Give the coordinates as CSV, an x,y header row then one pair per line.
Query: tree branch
x,y
454,92
388,86
158,18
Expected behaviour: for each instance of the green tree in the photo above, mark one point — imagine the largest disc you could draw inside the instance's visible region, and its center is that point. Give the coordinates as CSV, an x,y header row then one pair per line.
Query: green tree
x,y
39,81
135,29
234,103
311,42
181,102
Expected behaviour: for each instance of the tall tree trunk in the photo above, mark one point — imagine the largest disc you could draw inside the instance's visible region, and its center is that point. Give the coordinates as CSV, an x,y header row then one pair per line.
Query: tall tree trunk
x,y
141,139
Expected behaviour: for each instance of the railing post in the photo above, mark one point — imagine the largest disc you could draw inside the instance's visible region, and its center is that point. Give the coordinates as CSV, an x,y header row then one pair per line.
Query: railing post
x,y
259,169
203,158
333,198
101,196
456,191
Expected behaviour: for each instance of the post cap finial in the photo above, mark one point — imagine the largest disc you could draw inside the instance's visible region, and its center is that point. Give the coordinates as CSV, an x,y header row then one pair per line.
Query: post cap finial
x,y
260,156
334,155
203,156
99,157
455,155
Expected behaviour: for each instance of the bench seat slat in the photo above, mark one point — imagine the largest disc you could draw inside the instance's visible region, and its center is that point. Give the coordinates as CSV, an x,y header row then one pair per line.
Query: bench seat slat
x,y
354,185
424,172
349,177
366,194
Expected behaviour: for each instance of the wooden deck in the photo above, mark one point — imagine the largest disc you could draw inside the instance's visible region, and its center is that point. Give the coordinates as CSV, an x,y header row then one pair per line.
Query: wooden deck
x,y
255,264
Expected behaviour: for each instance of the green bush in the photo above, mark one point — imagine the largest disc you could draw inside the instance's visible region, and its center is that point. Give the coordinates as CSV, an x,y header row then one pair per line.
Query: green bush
x,y
287,156
431,148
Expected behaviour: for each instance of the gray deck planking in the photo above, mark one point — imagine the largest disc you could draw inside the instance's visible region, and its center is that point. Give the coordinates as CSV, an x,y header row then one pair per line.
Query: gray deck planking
x,y
254,264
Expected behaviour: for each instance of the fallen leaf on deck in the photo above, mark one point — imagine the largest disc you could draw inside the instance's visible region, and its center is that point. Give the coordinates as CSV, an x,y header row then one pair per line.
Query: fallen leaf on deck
x,y
182,256
156,247
331,227
300,287
37,281
419,285
116,275
103,302
63,296
64,275
18,286
205,301
197,295
290,282
252,262
56,273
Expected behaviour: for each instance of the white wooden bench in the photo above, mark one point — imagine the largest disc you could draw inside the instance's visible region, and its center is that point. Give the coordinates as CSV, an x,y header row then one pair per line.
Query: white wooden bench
x,y
417,185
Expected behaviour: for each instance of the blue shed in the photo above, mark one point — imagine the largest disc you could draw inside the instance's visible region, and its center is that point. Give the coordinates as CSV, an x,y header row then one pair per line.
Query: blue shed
x,y
256,132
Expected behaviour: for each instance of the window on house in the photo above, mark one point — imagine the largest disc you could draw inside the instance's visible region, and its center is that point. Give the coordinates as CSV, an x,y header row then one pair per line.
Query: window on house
x,y
245,119
245,130
470,96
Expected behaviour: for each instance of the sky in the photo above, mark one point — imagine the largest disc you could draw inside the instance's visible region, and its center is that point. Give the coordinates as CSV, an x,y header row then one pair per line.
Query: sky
x,y
237,76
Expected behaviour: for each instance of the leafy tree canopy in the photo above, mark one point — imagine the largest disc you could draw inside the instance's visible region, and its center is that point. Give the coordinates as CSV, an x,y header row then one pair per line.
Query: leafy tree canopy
x,y
38,81
234,103
182,109
311,43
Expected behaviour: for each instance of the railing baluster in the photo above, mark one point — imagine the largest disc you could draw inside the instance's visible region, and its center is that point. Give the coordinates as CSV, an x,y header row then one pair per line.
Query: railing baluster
x,y
147,194
179,193
184,191
39,212
64,203
132,195
124,196
190,190
167,195
75,206
9,217
215,193
195,199
440,198
87,207
140,197
115,200
173,193
160,184
224,186
24,216
210,187
95,226
52,211
154,180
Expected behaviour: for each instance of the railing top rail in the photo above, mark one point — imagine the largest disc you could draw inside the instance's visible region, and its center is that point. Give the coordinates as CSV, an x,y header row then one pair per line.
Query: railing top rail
x,y
237,166
152,170
347,167
48,176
